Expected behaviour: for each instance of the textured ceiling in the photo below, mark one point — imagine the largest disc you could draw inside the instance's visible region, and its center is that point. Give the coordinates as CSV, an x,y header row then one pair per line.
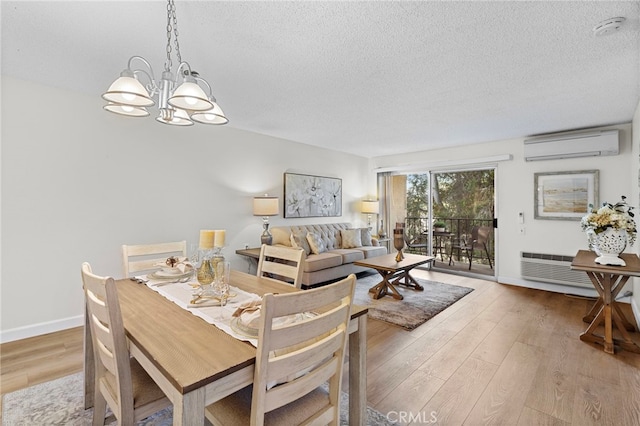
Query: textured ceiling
x,y
370,78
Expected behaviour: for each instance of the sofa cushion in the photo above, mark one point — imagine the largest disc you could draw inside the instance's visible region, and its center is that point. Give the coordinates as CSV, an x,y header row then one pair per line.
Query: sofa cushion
x,y
365,236
299,240
316,243
373,251
318,262
349,255
351,238
281,236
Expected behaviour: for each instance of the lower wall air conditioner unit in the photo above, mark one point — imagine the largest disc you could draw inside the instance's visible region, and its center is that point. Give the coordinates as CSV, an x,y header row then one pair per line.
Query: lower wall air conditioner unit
x,y
591,144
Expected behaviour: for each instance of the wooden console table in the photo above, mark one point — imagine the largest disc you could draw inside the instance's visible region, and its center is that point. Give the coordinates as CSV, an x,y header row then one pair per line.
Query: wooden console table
x,y
252,255
608,281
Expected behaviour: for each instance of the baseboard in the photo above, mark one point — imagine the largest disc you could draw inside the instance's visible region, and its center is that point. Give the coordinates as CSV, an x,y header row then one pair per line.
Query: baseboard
x,y
556,288
40,329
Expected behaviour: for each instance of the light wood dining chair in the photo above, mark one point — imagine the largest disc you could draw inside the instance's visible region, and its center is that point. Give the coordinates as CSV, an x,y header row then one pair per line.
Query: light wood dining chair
x,y
281,263
293,360
119,381
143,257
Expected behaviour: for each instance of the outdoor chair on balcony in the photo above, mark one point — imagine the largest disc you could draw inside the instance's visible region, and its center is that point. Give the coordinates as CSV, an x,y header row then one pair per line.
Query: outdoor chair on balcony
x,y
478,241
416,244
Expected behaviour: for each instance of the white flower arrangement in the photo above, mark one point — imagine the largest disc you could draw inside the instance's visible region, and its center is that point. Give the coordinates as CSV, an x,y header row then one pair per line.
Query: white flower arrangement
x,y
616,216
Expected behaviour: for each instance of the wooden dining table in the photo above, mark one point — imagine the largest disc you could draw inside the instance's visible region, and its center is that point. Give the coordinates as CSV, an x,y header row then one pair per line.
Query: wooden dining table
x,y
195,363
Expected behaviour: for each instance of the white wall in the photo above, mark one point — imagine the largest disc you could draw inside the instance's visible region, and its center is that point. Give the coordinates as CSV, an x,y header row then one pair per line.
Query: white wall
x,y
634,197
515,192
78,182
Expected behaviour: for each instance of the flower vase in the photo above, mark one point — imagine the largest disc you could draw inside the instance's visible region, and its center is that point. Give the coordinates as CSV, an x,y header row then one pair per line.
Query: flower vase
x,y
608,245
205,275
381,232
398,243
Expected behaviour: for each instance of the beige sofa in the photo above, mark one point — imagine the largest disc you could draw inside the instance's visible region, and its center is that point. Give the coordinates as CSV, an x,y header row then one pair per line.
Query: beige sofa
x,y
340,249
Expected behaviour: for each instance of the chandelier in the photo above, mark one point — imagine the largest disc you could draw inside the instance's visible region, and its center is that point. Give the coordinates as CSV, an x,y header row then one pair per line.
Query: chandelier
x,y
179,104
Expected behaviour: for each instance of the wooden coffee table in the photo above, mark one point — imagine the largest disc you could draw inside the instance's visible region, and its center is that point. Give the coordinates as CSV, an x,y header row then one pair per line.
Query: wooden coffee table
x,y
389,269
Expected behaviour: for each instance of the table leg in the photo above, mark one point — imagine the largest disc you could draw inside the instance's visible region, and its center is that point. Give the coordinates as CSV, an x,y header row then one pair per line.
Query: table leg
x,y
593,311
608,287
358,374
191,411
385,287
409,281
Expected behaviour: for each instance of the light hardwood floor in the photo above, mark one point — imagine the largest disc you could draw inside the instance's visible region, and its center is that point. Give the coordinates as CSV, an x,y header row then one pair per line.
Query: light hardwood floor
x,y
501,355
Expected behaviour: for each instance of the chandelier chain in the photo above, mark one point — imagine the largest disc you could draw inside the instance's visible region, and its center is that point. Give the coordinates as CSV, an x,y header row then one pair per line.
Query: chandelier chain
x,y
172,31
168,64
175,30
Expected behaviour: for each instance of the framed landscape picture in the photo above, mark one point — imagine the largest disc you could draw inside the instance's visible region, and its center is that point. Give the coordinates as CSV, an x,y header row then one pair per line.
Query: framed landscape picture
x,y
565,195
312,196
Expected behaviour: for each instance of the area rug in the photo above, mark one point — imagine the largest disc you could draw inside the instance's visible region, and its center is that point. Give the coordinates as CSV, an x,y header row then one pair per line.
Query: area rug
x,y
60,402
416,308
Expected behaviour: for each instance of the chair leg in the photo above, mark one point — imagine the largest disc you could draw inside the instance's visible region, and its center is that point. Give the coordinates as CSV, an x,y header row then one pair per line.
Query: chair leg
x,y
488,257
470,256
99,408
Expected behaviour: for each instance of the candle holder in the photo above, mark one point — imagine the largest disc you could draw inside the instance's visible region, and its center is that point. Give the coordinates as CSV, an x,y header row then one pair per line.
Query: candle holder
x,y
398,243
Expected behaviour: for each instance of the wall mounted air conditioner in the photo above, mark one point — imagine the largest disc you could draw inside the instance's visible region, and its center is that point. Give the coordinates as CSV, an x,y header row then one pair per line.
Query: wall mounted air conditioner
x,y
591,144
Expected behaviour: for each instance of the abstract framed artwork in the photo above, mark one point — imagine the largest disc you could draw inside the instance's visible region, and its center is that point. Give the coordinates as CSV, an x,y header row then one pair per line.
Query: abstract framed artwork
x,y
312,196
565,195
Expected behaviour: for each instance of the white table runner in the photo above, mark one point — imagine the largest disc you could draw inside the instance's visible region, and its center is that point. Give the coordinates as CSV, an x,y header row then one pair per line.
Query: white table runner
x,y
220,316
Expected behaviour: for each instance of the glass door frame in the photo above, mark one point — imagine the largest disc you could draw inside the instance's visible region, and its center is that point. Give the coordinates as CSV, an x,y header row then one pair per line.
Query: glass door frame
x,y
430,219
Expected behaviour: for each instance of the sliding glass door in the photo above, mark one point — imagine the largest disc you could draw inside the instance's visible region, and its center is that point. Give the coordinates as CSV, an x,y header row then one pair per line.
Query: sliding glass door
x,y
462,217
447,214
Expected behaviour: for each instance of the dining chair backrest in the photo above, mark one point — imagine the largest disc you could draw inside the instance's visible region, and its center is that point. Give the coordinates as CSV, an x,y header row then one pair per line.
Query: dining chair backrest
x,y
141,258
282,264
482,234
115,372
301,344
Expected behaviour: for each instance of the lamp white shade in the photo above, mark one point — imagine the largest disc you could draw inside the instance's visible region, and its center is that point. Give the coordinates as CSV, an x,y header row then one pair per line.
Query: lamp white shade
x,y
128,91
214,115
127,110
190,96
175,117
265,206
370,207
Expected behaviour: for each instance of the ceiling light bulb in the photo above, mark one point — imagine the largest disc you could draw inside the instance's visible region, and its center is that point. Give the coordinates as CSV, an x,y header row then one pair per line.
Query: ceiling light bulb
x,y
127,110
190,96
175,117
214,115
129,91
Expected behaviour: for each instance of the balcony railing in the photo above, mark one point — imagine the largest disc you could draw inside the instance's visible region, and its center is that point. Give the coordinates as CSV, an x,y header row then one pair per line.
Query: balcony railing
x,y
416,228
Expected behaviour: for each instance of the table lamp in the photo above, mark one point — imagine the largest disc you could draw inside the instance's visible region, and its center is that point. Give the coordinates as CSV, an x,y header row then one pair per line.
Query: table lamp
x,y
265,206
370,207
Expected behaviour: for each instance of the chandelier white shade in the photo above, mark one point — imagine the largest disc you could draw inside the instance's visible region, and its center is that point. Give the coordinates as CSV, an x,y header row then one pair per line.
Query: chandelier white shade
x,y
128,91
180,98
190,96
177,117
211,116
129,110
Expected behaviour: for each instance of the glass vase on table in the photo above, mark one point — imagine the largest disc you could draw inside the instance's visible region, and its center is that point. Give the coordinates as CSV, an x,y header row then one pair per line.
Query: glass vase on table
x,y
205,274
221,285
